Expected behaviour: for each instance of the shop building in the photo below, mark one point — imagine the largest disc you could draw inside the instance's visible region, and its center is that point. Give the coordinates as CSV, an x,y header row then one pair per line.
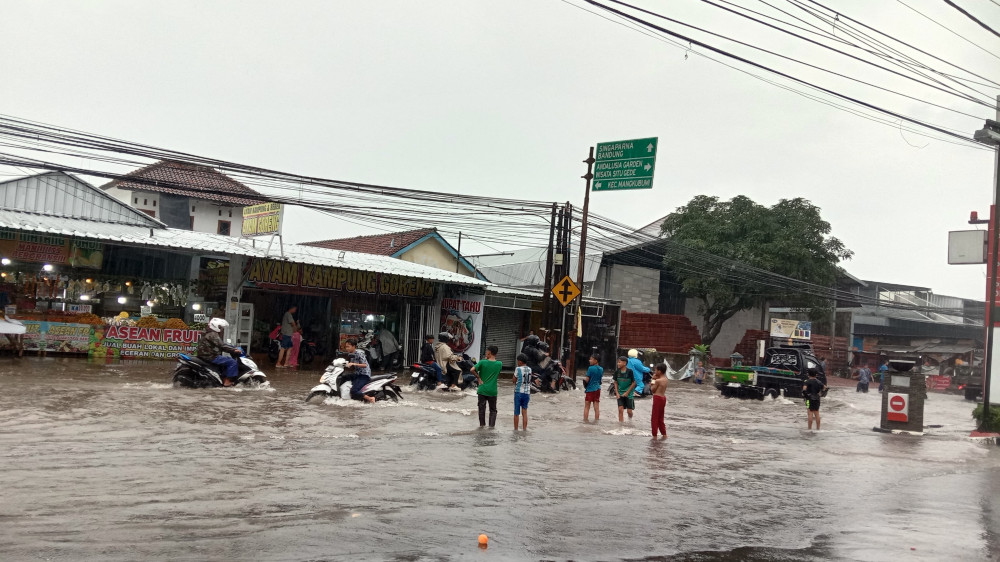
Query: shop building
x,y
186,196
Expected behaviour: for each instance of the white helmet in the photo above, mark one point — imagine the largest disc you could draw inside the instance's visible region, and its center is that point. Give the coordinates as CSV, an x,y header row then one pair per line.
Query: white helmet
x,y
633,353
217,324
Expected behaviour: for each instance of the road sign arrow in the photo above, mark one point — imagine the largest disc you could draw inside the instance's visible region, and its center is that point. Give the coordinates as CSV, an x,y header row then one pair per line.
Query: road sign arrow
x,y
649,148
647,167
598,185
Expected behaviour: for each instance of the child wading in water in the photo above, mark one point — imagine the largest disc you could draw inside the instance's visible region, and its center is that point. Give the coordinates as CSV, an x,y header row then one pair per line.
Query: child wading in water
x,y
486,372
593,389
659,390
624,385
522,390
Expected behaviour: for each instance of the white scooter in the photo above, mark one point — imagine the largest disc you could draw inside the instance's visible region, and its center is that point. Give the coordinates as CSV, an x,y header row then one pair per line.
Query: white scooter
x,y
336,382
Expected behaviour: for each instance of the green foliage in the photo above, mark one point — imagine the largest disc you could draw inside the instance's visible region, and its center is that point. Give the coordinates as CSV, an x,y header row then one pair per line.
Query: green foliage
x,y
993,423
789,239
703,349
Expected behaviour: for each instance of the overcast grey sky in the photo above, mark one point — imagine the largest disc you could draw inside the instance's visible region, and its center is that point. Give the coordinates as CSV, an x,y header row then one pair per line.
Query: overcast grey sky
x,y
503,98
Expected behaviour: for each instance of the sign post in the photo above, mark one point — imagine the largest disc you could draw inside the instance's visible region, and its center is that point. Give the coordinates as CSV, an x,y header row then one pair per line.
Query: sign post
x,y
619,165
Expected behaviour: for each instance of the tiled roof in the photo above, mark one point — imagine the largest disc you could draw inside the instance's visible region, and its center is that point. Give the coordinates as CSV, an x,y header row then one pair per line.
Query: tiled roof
x,y
191,180
377,244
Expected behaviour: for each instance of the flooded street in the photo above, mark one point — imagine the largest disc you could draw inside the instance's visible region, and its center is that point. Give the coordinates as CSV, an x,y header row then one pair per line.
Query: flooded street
x,y
109,462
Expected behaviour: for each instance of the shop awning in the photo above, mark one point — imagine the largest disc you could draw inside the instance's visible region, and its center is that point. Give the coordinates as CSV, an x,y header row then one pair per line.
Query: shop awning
x,y
217,244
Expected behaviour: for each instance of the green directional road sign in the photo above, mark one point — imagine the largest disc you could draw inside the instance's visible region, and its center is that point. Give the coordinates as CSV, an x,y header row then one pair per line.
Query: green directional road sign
x,y
625,165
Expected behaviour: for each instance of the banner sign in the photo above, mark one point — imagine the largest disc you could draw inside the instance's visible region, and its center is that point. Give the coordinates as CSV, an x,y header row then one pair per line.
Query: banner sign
x,y
267,273
262,219
134,342
54,337
45,248
784,328
462,317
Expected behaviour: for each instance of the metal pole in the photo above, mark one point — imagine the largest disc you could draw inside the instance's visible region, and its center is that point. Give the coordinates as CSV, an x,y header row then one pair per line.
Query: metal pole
x,y
547,292
458,254
991,289
581,266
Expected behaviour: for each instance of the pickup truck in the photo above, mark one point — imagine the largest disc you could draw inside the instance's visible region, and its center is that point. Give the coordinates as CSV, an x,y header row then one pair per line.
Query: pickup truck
x,y
784,372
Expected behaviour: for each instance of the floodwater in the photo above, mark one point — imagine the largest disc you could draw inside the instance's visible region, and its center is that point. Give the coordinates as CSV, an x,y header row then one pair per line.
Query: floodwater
x,y
109,462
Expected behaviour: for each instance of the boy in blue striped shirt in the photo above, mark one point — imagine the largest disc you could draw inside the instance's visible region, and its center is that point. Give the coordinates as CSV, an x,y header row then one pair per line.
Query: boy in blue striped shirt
x,y
522,390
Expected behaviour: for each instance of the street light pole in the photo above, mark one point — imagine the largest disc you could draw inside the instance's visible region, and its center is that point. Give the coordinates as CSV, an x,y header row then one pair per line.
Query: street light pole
x,y
990,134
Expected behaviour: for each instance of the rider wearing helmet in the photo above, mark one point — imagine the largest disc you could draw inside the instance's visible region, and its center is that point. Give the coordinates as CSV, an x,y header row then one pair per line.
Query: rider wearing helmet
x,y
638,370
446,358
213,350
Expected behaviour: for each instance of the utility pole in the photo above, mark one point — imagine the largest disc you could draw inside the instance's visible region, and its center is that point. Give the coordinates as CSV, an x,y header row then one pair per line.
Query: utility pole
x,y
547,291
458,254
990,134
581,266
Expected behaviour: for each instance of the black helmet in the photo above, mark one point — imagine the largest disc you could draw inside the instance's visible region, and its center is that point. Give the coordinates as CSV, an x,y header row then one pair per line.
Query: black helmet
x,y
531,341
544,347
444,337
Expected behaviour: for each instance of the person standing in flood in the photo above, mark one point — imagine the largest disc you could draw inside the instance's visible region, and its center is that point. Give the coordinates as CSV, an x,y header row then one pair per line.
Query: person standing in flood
x,y
293,354
593,389
288,326
624,386
812,389
487,371
659,389
522,390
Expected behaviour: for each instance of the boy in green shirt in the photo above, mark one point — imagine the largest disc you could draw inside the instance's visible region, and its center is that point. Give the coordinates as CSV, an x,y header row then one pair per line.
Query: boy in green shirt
x,y
624,385
486,372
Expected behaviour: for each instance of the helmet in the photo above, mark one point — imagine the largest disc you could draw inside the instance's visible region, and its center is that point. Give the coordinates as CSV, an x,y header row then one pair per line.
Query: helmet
x,y
444,337
217,324
531,341
543,346
633,353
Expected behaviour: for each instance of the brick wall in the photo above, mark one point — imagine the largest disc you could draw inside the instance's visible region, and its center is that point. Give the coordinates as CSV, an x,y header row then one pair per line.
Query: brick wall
x,y
664,332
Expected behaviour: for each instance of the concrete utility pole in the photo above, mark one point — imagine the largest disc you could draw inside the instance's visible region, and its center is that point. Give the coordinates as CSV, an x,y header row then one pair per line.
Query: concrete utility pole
x,y
990,135
581,266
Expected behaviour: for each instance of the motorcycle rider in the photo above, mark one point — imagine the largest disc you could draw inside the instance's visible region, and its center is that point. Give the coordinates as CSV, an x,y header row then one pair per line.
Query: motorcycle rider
x,y
427,357
446,359
639,370
362,373
212,350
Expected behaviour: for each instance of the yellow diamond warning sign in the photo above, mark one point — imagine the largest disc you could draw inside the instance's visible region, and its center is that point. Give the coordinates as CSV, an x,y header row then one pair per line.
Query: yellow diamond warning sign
x,y
565,291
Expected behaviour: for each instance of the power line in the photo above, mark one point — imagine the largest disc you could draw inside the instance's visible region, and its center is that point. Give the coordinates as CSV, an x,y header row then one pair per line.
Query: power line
x,y
947,90
949,30
782,74
972,17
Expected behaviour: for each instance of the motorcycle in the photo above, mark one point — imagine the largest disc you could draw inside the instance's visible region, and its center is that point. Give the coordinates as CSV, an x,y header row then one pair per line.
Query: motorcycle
x,y
424,377
192,372
337,381
308,350
553,369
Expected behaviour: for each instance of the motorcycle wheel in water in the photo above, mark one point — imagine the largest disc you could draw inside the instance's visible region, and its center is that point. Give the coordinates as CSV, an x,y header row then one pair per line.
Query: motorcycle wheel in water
x,y
192,372
336,382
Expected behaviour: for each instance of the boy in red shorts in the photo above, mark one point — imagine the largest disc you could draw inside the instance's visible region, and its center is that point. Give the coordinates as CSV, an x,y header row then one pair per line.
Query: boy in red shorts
x,y
659,390
593,380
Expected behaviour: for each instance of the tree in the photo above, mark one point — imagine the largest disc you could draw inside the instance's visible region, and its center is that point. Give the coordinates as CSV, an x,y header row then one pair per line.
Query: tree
x,y
788,240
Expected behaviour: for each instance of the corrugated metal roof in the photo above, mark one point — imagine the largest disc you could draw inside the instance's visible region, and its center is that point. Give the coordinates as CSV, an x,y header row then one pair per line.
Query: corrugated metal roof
x,y
60,194
217,244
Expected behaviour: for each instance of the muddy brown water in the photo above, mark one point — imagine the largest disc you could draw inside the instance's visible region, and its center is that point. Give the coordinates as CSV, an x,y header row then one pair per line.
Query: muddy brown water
x,y
109,462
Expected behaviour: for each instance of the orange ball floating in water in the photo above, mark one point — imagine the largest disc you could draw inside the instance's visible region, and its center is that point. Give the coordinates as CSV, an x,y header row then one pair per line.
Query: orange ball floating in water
x,y
483,540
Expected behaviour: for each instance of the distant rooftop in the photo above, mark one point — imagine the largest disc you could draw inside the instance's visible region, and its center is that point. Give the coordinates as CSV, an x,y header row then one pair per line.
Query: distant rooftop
x,y
191,180
378,244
